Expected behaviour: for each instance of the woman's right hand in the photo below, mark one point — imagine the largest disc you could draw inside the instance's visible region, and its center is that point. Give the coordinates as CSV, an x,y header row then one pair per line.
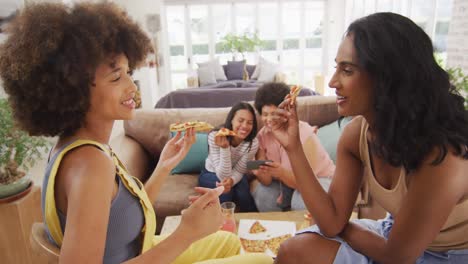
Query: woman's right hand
x,y
286,126
203,217
221,141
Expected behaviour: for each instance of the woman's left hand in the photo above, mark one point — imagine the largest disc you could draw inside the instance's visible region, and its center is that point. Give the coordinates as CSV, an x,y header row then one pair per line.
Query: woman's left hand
x,y
176,149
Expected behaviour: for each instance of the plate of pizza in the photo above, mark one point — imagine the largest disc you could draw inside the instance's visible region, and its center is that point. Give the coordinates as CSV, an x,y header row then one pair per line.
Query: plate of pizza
x,y
264,235
198,125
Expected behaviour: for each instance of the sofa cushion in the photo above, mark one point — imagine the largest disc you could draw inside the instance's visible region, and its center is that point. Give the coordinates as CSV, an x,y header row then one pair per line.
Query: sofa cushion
x,y
215,67
250,70
235,70
173,197
150,127
268,71
195,159
330,134
206,76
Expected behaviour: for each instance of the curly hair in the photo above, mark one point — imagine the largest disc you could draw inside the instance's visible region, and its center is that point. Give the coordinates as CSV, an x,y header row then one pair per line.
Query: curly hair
x,y
49,61
416,107
272,93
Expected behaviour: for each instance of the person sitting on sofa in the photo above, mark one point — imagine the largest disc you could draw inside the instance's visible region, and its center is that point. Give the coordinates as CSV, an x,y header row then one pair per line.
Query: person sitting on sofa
x,y
226,164
67,71
409,146
276,190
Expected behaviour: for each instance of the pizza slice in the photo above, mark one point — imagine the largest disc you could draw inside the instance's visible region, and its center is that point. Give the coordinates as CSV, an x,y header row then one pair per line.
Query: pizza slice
x,y
225,132
257,228
176,127
253,245
198,125
274,243
293,93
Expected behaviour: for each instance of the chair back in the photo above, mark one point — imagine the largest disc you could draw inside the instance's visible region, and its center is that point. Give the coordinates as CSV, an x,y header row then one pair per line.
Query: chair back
x,y
41,246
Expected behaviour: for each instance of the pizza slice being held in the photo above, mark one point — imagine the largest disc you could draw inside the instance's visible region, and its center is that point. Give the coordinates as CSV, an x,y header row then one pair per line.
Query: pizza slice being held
x,y
253,245
257,228
293,93
198,125
274,243
223,132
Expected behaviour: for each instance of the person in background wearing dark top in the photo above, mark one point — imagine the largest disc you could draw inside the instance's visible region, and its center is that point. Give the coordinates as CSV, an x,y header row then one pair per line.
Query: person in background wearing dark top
x,y
408,145
67,72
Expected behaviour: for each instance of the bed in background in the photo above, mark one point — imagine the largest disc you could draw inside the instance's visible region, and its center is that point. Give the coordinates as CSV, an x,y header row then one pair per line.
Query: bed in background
x,y
224,85
209,97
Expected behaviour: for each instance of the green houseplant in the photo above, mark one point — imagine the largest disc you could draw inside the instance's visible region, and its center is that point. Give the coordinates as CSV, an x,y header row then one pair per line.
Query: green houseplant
x,y
456,76
240,43
460,81
18,152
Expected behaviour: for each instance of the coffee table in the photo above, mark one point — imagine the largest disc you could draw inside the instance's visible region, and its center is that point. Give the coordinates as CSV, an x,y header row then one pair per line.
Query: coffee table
x,y
171,222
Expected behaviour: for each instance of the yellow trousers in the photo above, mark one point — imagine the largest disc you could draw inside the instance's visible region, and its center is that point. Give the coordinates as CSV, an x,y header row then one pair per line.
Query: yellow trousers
x,y
221,247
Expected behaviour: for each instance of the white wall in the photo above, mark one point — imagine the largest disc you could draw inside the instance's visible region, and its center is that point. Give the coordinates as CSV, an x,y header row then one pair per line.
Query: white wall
x,y
147,77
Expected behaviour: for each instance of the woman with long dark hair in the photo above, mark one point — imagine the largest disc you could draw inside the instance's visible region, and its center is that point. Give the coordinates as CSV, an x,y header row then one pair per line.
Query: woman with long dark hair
x,y
226,163
408,146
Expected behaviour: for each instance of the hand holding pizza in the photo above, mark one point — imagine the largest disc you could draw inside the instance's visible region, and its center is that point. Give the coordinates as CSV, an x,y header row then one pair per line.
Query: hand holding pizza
x,y
286,126
176,149
221,141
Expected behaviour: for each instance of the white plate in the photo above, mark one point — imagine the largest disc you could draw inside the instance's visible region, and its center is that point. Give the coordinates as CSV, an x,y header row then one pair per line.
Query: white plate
x,y
273,229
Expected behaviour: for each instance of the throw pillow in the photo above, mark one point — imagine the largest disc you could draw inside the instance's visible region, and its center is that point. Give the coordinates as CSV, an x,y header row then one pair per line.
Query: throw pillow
x,y
215,67
235,70
206,76
245,75
195,159
330,134
250,70
268,71
256,72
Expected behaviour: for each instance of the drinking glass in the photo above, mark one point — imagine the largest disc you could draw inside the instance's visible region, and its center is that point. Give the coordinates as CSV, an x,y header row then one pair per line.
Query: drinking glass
x,y
229,222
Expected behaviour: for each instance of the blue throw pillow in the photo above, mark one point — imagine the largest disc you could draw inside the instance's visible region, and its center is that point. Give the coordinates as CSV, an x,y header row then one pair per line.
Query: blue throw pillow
x,y
195,159
330,134
235,70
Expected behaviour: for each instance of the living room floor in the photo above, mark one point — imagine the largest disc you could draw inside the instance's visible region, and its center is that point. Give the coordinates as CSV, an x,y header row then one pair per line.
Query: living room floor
x,y
37,171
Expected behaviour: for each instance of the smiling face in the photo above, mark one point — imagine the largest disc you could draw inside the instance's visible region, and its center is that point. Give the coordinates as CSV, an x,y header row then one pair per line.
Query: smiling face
x,y
268,112
354,87
242,123
113,90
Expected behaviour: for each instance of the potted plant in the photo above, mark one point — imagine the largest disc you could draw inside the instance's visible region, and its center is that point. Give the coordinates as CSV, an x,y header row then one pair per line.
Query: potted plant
x,y
456,76
18,152
460,81
240,44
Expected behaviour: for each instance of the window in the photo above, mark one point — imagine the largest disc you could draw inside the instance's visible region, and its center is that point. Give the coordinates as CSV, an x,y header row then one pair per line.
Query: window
x,y
292,32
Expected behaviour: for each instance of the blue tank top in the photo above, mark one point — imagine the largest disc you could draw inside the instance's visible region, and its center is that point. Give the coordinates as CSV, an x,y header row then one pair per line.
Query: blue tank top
x,y
126,221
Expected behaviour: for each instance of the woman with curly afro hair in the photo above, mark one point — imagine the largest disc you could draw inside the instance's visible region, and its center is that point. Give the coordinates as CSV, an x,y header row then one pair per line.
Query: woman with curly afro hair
x,y
67,72
408,145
